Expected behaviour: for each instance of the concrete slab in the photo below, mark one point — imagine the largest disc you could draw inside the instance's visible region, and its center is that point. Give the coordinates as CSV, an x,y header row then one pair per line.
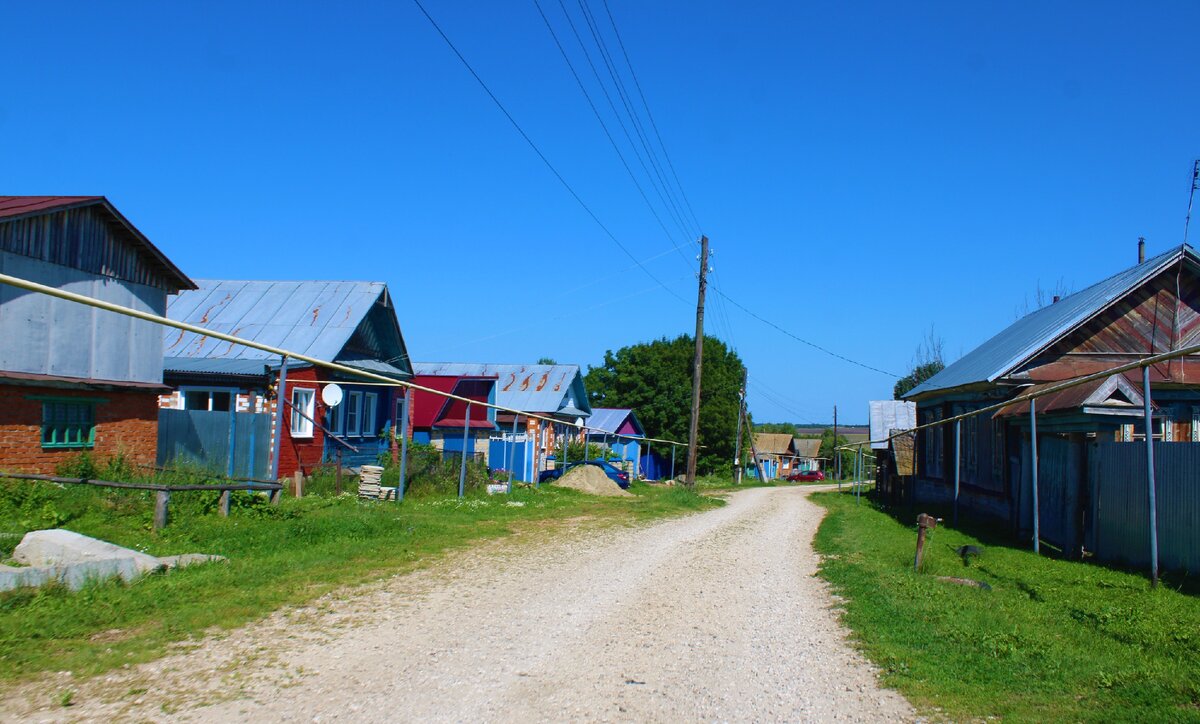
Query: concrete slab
x,y
58,547
190,559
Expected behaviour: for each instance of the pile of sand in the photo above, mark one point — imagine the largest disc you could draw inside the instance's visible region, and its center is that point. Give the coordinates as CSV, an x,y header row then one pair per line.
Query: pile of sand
x,y
590,479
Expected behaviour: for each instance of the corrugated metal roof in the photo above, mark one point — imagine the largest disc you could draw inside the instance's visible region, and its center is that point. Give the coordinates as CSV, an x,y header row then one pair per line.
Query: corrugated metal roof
x,y
612,419
529,388
888,415
315,318
807,447
11,206
1035,331
219,366
772,443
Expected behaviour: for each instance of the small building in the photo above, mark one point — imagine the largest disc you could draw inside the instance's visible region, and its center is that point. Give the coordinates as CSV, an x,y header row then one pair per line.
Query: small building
x,y
893,477
620,431
74,378
352,323
443,422
808,454
776,454
526,444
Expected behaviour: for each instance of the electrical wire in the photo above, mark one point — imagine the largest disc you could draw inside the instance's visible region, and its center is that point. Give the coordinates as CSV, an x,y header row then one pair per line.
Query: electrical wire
x,y
539,153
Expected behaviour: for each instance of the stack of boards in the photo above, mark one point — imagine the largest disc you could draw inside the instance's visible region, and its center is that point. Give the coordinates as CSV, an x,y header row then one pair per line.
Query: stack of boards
x,y
368,484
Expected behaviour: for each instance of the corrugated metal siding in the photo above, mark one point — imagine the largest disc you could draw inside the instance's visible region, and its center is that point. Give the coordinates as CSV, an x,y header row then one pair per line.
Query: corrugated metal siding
x,y
86,239
1120,504
201,437
888,415
50,336
1034,331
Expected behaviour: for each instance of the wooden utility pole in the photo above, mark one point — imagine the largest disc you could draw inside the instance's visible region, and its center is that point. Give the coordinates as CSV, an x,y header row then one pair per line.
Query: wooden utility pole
x,y
737,443
694,428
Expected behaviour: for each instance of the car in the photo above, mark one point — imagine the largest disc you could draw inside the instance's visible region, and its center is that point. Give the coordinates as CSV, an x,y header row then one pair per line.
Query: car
x,y
806,476
615,474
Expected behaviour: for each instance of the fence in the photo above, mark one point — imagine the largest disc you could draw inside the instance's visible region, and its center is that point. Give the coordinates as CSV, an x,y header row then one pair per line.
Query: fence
x,y
237,444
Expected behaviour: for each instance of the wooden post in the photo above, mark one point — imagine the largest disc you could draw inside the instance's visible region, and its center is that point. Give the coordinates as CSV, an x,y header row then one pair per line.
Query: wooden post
x,y
161,501
462,468
957,465
337,479
298,481
1033,444
404,446
697,367
924,522
223,507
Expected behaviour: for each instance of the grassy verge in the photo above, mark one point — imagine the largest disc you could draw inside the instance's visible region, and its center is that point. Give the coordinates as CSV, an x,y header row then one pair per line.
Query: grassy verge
x,y
1052,640
281,555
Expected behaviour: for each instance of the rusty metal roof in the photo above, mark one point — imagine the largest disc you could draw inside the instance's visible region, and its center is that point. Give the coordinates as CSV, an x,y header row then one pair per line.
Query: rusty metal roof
x,y
1037,330
553,389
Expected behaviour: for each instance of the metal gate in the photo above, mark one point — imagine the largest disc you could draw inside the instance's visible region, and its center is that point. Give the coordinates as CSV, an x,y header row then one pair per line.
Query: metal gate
x,y
233,444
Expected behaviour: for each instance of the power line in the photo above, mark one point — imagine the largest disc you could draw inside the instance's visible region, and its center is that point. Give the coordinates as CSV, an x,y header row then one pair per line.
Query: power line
x,y
538,151
814,345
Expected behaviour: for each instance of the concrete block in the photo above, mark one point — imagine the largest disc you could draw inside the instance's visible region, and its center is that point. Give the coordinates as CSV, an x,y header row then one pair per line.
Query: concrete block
x,y
190,559
58,547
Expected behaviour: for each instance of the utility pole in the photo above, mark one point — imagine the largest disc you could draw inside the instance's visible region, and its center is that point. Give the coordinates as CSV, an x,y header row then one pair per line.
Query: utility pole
x,y
694,428
836,452
737,444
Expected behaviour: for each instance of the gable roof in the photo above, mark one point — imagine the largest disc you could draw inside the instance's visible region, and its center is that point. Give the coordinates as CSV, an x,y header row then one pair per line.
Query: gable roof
x,y
1037,330
1110,394
15,208
350,322
807,447
553,389
772,443
613,420
888,415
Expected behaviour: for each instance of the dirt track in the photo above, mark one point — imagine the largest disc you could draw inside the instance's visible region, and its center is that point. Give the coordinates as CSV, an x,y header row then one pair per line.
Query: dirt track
x,y
716,616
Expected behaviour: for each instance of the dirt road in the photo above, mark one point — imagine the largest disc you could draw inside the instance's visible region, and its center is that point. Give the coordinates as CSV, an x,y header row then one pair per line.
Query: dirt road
x,y
716,616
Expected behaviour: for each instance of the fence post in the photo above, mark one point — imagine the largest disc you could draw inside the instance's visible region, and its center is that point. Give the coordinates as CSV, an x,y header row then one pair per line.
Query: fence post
x,y
229,469
672,463
957,465
337,478
223,506
563,463
1033,448
280,410
161,501
513,457
1150,477
462,467
858,473
403,446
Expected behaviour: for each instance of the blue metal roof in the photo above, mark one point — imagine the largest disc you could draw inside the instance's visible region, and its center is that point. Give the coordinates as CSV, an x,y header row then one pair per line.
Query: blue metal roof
x,y
1031,334
610,420
529,388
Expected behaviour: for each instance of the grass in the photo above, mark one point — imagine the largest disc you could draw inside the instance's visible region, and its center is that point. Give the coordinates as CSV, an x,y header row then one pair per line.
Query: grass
x,y
1052,641
279,556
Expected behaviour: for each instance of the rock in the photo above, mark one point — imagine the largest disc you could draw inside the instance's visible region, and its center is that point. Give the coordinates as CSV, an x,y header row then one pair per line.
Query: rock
x,y
58,547
190,559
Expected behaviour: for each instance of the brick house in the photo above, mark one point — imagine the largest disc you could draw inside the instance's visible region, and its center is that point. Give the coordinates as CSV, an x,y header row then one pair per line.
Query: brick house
x,y
74,378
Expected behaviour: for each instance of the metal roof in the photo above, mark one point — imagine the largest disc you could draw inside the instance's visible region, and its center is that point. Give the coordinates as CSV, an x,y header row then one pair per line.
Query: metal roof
x,y
1031,334
241,367
529,388
807,447
888,415
315,318
772,443
611,419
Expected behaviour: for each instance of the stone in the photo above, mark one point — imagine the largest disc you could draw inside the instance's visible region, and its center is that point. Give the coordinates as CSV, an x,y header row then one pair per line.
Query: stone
x,y
58,547
190,559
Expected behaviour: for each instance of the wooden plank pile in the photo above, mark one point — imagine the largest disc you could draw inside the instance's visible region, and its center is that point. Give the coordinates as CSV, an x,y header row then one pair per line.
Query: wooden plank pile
x,y
369,477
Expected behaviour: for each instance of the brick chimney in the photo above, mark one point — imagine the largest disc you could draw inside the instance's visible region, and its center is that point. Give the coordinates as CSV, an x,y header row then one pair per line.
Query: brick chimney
x,y
1141,249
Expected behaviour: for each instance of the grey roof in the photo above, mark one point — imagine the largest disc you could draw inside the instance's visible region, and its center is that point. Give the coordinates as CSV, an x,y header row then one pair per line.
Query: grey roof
x,y
1031,334
243,367
610,419
529,388
888,415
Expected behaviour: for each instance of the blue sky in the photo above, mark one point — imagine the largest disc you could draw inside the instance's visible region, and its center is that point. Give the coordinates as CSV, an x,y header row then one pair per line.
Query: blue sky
x,y
864,171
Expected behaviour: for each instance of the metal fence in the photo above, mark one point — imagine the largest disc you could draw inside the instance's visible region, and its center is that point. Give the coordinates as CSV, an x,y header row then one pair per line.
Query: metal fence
x,y
235,444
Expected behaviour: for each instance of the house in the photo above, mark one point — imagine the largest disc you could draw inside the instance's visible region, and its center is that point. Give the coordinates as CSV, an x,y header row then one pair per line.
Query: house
x,y
444,422
1147,309
887,418
808,454
620,431
526,444
352,323
776,454
74,378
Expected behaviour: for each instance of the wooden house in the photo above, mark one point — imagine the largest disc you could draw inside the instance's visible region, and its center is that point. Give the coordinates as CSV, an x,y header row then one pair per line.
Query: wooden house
x,y
1150,308
352,323
807,452
74,378
444,422
776,454
526,444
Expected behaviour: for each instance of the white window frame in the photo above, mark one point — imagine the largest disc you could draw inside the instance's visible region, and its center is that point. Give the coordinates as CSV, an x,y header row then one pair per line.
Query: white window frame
x,y
370,414
354,408
1196,424
231,391
303,401
334,416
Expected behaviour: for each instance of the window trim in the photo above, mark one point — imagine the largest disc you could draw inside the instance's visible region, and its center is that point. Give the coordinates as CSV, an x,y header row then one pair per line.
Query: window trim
x,y
370,413
233,393
354,406
81,442
301,427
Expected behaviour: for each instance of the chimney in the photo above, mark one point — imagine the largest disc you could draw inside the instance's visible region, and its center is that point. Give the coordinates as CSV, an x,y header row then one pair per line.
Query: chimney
x,y
1141,249
1056,298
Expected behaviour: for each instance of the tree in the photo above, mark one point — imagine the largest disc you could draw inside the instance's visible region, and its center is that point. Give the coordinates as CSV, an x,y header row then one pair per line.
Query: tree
x,y
655,380
785,428
546,361
830,452
927,362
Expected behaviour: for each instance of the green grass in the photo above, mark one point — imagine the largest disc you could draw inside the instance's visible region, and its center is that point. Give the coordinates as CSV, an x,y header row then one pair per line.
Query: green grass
x,y
282,555
1052,641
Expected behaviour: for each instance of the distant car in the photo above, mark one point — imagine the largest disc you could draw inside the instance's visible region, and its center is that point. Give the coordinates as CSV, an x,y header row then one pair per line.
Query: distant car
x,y
615,474
806,476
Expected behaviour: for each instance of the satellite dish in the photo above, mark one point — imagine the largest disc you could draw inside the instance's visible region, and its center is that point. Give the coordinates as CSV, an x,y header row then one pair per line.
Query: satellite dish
x,y
331,395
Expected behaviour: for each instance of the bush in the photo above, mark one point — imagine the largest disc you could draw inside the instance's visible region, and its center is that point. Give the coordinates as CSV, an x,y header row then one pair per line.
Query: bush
x,y
433,472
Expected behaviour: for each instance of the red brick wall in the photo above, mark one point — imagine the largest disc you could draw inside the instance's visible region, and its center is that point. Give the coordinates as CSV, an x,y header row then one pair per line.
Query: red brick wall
x,y
127,422
301,452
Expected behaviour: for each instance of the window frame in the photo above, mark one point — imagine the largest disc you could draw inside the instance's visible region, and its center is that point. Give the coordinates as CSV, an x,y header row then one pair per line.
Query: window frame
x,y
88,423
353,404
233,393
370,413
301,427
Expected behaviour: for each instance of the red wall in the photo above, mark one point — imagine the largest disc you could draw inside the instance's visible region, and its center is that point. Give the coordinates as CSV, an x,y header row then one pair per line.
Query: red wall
x,y
301,452
127,423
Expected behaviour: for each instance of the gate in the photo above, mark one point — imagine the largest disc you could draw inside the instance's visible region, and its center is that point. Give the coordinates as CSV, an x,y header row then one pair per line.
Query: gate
x,y
234,444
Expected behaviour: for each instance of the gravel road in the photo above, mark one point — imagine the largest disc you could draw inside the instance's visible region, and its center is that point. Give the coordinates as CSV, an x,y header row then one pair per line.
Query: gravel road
x,y
714,617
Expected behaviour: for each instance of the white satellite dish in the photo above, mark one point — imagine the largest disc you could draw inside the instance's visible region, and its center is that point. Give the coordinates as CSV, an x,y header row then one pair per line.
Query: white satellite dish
x,y
331,395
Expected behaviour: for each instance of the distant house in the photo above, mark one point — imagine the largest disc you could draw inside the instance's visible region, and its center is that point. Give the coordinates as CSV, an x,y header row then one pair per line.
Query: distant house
x,y
526,444
1144,310
442,421
74,378
619,430
353,323
776,454
808,454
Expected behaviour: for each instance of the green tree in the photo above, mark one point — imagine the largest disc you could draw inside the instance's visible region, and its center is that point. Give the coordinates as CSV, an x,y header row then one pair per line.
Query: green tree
x,y
785,428
546,361
655,380
927,362
830,453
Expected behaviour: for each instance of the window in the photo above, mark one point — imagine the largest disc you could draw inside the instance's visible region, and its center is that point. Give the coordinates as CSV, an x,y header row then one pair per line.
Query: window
x,y
369,410
932,439
302,402
333,419
216,400
68,424
354,414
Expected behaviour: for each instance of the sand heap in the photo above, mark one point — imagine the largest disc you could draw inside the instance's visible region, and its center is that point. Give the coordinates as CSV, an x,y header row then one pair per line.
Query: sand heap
x,y
590,479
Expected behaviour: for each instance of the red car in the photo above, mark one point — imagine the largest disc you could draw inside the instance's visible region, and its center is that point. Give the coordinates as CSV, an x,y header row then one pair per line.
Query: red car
x,y
806,476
